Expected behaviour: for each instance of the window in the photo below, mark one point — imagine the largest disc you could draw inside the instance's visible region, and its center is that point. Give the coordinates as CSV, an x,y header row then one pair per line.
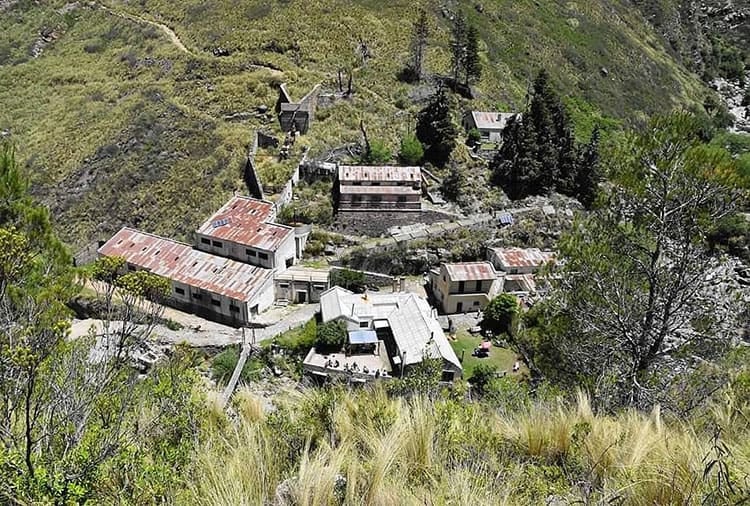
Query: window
x,y
251,253
179,290
215,302
131,268
376,198
233,308
364,325
218,244
319,287
205,241
479,285
283,285
263,256
402,198
461,286
197,296
476,302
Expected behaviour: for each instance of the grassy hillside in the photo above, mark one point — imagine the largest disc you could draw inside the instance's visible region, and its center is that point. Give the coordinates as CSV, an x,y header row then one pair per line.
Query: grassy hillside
x,y
366,448
120,122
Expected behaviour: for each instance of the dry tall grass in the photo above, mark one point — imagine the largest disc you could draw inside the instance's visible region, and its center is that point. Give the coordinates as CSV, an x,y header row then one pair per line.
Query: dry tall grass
x,y
364,448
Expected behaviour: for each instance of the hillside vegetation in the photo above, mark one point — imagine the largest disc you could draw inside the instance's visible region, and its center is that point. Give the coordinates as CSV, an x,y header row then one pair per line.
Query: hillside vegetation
x,y
120,121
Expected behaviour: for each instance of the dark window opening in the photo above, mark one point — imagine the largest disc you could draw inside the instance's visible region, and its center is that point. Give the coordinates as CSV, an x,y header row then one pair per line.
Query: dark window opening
x,y
197,296
263,256
461,286
402,198
215,302
364,325
250,253
131,268
205,241
233,308
479,286
179,290
218,244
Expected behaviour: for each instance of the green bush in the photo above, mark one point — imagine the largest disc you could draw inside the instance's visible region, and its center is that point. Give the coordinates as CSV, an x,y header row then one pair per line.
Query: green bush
x,y
223,365
378,153
473,137
483,374
500,313
411,152
299,341
331,335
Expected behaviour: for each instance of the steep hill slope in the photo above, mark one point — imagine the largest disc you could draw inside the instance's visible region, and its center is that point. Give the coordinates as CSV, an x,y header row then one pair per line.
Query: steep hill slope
x,y
123,115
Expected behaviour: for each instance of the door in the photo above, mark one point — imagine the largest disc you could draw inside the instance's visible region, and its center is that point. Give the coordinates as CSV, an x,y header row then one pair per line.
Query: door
x,y
459,307
301,297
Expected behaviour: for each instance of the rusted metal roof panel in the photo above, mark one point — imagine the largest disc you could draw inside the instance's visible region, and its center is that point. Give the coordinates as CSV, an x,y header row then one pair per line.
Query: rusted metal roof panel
x,y
470,271
379,173
180,262
247,221
379,190
522,257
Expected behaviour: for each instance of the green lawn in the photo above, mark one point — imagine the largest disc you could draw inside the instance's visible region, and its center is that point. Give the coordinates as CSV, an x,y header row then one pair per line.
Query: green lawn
x,y
464,342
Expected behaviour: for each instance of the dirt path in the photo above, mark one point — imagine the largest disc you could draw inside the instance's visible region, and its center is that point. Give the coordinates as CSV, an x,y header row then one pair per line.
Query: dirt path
x,y
171,35
174,38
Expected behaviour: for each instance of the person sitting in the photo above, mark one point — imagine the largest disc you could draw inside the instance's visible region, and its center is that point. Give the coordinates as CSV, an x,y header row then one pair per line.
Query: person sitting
x,y
365,370
336,364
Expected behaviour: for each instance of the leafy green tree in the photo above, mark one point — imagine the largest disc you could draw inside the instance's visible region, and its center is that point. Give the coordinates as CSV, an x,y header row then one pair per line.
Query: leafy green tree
x,y
500,313
411,152
435,128
633,311
331,335
70,408
473,137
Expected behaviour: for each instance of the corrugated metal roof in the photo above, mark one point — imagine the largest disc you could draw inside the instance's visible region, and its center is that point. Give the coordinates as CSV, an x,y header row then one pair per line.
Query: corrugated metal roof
x,y
409,316
505,219
304,274
522,257
379,173
247,221
470,271
379,190
490,120
180,262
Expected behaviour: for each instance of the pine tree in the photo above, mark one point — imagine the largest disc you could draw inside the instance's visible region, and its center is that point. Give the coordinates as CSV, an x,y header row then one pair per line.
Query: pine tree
x,y
435,129
458,46
420,34
472,65
588,174
515,167
541,117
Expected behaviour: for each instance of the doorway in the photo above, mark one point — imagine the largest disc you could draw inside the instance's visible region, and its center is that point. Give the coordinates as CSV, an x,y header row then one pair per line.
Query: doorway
x,y
459,307
301,297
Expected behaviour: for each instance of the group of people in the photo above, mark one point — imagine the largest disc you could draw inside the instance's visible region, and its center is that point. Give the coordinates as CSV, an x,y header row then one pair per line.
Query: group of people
x,y
354,368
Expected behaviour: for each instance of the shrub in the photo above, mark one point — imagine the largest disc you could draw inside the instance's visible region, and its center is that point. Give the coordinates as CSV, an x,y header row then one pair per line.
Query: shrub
x,y
223,364
331,335
500,313
411,152
473,137
378,153
482,376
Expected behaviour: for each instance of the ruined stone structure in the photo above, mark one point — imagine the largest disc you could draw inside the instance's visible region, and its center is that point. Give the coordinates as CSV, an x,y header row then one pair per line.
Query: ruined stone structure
x,y
296,116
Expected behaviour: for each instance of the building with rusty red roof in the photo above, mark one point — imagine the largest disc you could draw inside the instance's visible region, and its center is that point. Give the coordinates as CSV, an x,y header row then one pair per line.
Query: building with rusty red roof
x,y
466,286
519,260
367,188
244,229
209,285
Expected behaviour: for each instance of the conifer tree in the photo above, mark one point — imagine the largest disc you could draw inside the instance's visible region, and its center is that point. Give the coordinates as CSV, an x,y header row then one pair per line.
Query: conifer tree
x,y
588,174
458,46
435,129
420,34
472,65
